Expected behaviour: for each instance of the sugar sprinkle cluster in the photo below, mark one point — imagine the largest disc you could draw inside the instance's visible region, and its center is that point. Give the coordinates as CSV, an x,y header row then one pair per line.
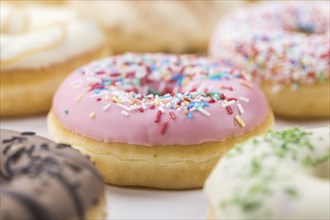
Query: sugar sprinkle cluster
x,y
140,82
287,44
266,168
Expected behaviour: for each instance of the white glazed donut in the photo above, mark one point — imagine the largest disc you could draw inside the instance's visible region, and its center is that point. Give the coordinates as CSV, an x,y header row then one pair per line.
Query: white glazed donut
x,y
39,46
280,175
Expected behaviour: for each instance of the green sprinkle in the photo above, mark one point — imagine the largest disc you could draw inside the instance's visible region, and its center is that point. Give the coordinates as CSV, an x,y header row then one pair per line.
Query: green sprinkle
x,y
153,91
256,166
215,95
321,78
261,180
250,206
309,161
137,81
291,192
255,141
259,188
66,111
202,93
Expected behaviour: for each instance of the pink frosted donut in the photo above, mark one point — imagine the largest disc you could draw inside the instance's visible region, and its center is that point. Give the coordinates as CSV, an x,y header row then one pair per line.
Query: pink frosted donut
x,y
171,116
286,47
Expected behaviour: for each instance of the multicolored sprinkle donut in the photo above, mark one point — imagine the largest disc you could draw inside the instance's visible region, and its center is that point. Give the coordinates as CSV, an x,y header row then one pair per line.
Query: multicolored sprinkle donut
x,y
169,116
286,47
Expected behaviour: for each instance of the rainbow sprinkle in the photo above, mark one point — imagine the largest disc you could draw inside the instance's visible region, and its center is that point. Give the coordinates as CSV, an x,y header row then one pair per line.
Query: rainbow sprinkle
x,y
240,121
296,51
92,115
79,97
158,82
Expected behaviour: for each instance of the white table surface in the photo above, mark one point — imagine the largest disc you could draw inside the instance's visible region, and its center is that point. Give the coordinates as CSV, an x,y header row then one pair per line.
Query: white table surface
x,y
137,203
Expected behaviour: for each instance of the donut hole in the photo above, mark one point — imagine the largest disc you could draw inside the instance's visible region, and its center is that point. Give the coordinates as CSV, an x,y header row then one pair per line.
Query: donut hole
x,y
309,28
157,88
305,20
306,28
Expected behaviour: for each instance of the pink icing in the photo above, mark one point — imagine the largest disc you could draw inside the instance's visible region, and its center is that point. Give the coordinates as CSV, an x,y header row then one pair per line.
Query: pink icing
x,y
87,117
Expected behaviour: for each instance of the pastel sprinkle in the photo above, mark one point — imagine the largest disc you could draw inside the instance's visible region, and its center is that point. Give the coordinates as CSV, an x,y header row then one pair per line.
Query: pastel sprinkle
x,y
125,84
283,59
106,107
124,107
135,107
161,109
225,104
92,115
115,99
125,113
66,111
79,97
240,108
245,83
240,121
203,111
76,86
244,99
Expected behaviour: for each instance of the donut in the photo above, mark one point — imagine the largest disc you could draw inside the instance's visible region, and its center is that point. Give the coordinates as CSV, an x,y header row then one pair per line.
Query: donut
x,y
153,26
286,49
44,180
54,2
156,120
40,45
280,175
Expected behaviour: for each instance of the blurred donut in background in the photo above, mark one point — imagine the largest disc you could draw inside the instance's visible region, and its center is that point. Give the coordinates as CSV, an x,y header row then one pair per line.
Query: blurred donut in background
x,y
156,26
35,1
285,46
40,45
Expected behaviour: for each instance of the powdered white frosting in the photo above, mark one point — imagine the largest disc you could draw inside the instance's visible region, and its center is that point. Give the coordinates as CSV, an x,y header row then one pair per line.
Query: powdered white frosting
x,y
281,175
37,36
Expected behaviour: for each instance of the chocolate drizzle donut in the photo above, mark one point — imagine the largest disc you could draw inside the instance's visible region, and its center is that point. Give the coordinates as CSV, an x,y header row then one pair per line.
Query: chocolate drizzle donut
x,y
40,179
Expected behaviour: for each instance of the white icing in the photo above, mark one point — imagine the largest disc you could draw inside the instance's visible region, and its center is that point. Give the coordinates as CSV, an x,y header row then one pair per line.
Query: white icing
x,y
170,25
308,185
39,36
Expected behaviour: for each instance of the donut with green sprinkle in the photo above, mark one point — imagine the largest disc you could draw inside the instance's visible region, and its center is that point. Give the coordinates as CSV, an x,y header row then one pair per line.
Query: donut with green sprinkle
x,y
280,175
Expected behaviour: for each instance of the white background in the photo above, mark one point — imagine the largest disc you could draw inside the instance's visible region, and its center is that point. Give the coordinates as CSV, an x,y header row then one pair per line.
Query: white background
x,y
141,203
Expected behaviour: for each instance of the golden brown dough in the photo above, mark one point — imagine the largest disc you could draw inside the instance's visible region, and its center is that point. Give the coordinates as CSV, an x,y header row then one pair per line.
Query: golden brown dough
x,y
129,165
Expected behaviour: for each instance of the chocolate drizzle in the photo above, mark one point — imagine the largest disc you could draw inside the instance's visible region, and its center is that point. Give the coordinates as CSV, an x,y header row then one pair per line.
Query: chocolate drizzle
x,y
72,191
36,210
29,133
43,166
